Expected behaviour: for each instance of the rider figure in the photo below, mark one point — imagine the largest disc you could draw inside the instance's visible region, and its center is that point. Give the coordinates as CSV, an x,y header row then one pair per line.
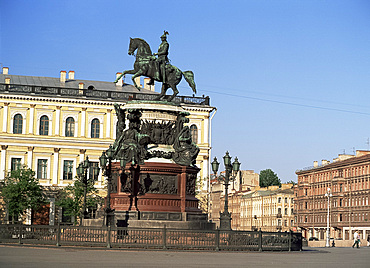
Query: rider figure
x,y
162,59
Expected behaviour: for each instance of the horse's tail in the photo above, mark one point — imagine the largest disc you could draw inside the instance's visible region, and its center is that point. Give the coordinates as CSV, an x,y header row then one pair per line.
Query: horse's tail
x,y
189,77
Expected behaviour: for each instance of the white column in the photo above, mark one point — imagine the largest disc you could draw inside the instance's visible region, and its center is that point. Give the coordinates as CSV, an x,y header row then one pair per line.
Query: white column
x,y
107,135
2,161
55,166
30,157
83,122
206,130
57,120
5,117
205,173
32,114
82,155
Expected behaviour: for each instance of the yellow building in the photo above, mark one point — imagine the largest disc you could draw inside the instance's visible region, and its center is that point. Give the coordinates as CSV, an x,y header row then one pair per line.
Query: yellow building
x,y
267,208
244,182
52,124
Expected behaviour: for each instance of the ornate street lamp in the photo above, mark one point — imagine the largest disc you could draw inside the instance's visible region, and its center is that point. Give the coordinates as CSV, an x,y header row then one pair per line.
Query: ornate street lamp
x,y
107,157
225,216
328,195
82,173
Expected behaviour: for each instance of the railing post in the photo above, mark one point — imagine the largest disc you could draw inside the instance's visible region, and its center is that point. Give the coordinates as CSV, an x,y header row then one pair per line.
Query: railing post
x,y
217,238
260,240
109,236
58,235
20,233
164,237
290,240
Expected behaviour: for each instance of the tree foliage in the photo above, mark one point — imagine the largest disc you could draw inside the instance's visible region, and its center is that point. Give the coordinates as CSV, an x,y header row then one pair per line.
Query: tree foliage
x,y
21,191
71,199
269,178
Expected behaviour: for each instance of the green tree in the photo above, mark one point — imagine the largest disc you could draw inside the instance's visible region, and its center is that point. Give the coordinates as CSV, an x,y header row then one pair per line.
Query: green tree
x,y
269,178
292,182
71,199
21,191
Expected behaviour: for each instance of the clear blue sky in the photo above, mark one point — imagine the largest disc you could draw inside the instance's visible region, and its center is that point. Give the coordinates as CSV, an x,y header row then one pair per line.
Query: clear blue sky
x,y
290,79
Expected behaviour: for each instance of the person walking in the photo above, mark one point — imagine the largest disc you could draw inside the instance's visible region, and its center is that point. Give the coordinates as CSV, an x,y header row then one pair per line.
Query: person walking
x,y
368,240
356,239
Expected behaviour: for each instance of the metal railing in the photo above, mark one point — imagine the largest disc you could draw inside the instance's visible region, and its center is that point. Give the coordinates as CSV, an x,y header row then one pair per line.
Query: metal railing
x,y
94,94
154,238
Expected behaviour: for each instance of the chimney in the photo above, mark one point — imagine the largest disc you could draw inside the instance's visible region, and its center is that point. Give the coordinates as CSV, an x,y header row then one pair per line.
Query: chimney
x,y
71,75
146,86
63,75
137,81
325,162
7,80
5,70
119,82
315,164
81,85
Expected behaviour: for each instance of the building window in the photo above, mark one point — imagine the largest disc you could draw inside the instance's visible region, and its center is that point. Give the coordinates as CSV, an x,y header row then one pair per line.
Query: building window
x,y
279,211
93,174
279,200
44,125
42,165
95,128
194,133
15,164
18,124
70,127
68,170
286,211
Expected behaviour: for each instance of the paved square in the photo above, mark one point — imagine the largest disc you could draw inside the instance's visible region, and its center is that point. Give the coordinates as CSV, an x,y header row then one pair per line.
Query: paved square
x,y
27,256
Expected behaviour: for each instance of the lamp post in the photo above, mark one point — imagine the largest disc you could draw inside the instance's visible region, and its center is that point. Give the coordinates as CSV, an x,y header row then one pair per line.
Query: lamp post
x,y
107,157
82,173
225,216
328,195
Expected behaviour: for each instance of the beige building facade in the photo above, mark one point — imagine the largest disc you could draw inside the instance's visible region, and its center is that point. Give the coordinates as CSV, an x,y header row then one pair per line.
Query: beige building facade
x,y
52,124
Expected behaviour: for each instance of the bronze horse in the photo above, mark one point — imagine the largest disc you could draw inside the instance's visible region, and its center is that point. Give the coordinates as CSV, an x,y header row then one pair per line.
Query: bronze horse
x,y
145,65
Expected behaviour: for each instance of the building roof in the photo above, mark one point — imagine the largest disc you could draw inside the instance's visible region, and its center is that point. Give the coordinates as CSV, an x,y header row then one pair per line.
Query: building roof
x,y
70,83
99,90
268,192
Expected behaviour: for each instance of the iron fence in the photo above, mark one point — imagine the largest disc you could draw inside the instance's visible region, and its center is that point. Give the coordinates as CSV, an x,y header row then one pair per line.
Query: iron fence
x,y
154,238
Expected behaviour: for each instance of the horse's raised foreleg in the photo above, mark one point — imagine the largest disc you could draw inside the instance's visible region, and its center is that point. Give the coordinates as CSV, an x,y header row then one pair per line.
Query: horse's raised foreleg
x,y
163,91
123,74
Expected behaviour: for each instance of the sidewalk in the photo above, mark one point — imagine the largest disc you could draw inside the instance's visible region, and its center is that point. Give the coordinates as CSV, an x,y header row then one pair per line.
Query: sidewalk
x,y
31,256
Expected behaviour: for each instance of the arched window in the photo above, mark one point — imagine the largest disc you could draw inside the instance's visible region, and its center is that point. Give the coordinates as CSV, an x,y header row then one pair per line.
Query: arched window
x,y
18,124
95,128
44,125
194,133
70,127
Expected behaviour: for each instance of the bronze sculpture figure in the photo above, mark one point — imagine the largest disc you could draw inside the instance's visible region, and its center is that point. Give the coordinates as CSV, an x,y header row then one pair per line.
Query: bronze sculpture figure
x,y
158,69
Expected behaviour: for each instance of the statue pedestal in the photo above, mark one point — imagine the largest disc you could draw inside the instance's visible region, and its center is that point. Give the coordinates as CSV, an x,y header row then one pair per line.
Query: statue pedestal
x,y
156,194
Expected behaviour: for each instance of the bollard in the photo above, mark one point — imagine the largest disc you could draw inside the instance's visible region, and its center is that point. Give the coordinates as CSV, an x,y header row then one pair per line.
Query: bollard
x,y
109,235
20,233
58,235
217,238
260,240
164,237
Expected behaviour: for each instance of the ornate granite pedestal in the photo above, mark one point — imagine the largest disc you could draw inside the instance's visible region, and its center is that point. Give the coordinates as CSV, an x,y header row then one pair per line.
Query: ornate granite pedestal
x,y
153,184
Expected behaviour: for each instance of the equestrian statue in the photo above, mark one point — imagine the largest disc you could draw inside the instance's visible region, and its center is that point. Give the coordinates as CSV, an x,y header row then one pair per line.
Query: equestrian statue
x,y
157,67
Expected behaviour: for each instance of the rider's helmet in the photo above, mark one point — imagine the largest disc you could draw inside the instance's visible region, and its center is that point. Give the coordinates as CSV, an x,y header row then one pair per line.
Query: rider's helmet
x,y
164,35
